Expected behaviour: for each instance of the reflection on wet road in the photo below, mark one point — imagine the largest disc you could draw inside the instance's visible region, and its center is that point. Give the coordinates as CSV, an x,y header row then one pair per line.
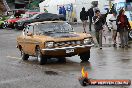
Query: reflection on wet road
x,y
109,63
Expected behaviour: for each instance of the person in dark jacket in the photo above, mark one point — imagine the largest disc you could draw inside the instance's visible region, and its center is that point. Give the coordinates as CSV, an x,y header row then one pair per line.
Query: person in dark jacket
x,y
84,18
98,25
122,27
90,13
64,11
60,10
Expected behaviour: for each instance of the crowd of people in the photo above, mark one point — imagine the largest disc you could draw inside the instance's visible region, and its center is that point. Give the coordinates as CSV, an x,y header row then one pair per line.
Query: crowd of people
x,y
119,25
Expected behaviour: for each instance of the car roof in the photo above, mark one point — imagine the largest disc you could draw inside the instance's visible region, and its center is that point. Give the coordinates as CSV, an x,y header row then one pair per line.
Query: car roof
x,y
46,22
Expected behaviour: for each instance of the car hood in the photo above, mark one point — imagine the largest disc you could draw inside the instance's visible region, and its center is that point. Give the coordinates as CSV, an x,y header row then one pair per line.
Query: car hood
x,y
23,19
13,20
64,37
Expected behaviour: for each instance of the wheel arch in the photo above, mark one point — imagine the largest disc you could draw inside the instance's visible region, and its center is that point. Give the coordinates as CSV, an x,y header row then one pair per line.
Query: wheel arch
x,y
19,47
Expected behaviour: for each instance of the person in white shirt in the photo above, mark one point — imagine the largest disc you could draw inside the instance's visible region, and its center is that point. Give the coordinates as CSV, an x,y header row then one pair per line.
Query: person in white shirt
x,y
113,23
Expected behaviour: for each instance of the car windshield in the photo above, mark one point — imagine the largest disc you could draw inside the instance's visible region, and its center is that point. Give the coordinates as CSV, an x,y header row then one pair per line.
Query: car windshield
x,y
34,16
27,15
55,28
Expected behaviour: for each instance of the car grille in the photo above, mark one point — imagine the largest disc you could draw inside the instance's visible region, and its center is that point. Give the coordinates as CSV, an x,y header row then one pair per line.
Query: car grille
x,y
68,43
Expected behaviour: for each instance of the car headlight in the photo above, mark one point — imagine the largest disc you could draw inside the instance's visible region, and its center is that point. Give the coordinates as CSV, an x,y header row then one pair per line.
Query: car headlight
x,y
49,44
87,41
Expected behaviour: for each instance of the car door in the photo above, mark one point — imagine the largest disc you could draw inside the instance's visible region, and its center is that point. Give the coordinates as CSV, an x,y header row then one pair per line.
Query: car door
x,y
21,39
29,41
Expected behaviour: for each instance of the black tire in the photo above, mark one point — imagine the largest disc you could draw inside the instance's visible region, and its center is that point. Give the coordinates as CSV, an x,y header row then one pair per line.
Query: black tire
x,y
16,26
130,35
62,60
3,25
41,59
24,56
85,56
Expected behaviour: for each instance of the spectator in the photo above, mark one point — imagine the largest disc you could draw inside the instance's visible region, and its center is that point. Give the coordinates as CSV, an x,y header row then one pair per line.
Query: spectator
x,y
113,20
17,14
60,10
123,26
84,18
98,25
90,13
64,11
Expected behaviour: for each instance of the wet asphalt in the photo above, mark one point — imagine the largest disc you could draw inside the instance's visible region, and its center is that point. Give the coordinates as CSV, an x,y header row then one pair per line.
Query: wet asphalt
x,y
108,63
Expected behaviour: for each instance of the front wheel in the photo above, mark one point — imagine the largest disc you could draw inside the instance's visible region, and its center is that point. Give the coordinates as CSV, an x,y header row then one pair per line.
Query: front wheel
x,y
41,59
24,56
85,56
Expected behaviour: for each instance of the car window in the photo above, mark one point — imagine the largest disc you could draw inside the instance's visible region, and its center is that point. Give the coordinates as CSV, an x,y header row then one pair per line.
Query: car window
x,y
55,28
36,30
34,16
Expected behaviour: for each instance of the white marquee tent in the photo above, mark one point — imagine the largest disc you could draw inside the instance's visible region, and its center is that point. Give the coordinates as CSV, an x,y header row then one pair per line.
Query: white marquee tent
x,y
52,6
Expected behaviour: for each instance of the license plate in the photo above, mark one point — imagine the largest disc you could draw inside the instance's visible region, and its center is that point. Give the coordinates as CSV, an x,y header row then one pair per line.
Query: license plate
x,y
69,50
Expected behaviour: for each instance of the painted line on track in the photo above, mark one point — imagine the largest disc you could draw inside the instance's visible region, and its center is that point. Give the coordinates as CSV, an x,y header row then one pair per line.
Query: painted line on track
x,y
13,57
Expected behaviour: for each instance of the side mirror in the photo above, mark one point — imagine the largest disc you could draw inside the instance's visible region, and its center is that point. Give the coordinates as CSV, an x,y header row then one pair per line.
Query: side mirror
x,y
29,34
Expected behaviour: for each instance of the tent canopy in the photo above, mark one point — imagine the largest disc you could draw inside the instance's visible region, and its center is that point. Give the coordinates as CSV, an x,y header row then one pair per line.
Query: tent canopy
x,y
60,2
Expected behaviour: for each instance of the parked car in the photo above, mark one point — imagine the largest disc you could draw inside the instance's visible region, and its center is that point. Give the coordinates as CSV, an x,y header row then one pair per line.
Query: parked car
x,y
12,21
39,18
53,39
25,16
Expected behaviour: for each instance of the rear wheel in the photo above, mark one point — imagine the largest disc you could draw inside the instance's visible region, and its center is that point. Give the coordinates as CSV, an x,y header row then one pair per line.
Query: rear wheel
x,y
24,56
85,56
3,25
41,59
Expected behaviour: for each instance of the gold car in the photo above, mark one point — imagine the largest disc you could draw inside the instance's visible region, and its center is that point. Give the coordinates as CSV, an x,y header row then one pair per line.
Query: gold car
x,y
53,39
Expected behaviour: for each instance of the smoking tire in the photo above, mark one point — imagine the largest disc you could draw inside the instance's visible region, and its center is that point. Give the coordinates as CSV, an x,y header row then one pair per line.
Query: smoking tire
x,y
41,58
